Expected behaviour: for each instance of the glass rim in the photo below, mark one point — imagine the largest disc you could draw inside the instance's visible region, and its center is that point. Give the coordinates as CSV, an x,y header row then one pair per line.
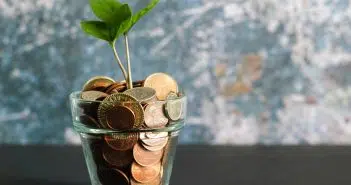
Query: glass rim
x,y
75,96
81,128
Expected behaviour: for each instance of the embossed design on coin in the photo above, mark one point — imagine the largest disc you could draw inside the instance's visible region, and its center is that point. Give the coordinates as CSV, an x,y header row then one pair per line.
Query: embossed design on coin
x,y
145,157
162,83
154,116
93,95
120,118
117,157
113,177
142,94
145,174
122,141
98,83
117,100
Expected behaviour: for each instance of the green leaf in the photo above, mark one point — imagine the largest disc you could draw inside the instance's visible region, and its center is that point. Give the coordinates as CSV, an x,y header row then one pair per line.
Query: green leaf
x,y
143,12
116,18
99,30
106,10
125,23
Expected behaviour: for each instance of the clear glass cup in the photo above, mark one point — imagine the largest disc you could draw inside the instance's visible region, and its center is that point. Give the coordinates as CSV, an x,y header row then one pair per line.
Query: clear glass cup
x,y
125,157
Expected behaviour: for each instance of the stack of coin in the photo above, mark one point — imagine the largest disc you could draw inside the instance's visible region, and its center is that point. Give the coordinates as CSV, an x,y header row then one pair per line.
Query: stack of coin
x,y
133,155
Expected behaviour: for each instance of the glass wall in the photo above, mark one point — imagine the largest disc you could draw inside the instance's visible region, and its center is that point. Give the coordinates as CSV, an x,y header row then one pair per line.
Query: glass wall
x,y
267,72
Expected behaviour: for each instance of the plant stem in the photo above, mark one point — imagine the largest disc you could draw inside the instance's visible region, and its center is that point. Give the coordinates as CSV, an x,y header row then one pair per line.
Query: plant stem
x,y
119,62
130,81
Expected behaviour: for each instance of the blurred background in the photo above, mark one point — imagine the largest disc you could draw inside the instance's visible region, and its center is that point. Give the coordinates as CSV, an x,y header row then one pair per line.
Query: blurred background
x,y
255,71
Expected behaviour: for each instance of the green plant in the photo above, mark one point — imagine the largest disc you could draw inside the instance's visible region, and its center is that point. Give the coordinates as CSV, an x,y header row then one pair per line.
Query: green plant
x,y
116,20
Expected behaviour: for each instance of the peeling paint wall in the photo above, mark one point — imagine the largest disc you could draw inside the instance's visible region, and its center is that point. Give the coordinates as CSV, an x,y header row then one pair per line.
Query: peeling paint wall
x,y
269,72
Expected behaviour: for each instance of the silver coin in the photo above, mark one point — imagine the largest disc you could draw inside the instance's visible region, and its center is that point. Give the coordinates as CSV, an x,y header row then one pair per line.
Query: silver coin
x,y
142,94
174,107
156,135
172,96
142,136
93,95
154,116
157,147
153,138
155,141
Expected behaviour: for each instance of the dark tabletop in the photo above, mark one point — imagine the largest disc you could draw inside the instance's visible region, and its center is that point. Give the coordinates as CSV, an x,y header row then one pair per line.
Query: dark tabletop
x,y
194,165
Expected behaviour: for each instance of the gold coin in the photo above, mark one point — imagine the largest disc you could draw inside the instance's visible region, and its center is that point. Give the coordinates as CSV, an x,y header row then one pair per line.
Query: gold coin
x,y
142,94
162,83
121,141
98,83
119,99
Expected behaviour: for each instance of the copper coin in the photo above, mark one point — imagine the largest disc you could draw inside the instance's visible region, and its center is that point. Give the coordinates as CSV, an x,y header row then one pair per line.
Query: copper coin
x,y
156,181
144,174
97,83
93,95
122,141
112,177
154,116
166,153
162,83
142,94
120,118
116,157
145,157
88,121
117,100
138,83
115,88
121,87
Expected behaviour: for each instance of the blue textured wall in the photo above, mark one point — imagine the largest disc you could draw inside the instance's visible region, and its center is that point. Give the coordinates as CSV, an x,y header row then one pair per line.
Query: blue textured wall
x,y
256,71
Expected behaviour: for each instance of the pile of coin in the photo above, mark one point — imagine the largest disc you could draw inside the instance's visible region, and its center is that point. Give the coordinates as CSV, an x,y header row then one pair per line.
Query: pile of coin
x,y
131,157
